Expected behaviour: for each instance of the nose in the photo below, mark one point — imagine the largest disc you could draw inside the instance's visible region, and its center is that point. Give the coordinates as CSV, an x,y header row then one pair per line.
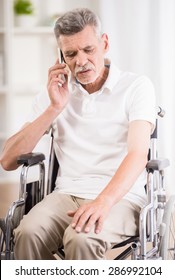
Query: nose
x,y
81,59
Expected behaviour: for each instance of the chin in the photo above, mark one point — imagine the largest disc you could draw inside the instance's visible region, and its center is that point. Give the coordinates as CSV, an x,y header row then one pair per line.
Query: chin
x,y
86,81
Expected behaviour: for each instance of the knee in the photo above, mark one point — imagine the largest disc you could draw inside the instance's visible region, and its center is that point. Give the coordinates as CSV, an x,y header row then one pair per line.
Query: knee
x,y
25,232
83,246
26,241
74,239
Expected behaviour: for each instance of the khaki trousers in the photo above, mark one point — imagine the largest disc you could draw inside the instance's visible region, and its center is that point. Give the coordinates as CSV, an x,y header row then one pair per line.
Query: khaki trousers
x,y
47,226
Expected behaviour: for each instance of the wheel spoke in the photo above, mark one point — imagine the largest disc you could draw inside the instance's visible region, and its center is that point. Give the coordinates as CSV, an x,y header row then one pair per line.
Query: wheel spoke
x,y
167,250
171,245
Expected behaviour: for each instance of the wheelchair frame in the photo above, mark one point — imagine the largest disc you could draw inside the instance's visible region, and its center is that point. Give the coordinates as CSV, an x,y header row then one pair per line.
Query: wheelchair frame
x,y
156,238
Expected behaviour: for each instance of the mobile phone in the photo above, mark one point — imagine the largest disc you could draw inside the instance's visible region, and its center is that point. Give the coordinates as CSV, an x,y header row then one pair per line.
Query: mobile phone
x,y
60,56
61,60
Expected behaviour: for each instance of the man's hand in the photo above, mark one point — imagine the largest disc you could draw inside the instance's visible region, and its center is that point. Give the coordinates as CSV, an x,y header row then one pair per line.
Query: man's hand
x,y
57,86
90,214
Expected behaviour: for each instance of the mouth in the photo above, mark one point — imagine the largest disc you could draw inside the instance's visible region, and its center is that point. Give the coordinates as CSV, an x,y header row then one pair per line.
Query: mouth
x,y
84,72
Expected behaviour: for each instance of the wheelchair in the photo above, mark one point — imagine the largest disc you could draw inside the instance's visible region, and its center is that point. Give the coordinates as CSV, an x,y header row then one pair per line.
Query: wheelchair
x,y
156,239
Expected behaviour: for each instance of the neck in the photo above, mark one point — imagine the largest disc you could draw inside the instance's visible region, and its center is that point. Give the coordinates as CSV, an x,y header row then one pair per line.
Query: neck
x,y
98,83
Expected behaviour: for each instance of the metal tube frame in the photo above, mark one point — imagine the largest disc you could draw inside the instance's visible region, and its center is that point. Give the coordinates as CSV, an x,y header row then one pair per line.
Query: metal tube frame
x,y
9,254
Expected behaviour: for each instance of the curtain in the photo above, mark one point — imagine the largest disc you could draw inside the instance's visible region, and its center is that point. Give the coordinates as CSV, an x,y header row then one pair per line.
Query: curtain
x,y
142,39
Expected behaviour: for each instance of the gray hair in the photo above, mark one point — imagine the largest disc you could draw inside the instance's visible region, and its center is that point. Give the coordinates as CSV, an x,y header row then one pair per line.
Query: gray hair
x,y
75,21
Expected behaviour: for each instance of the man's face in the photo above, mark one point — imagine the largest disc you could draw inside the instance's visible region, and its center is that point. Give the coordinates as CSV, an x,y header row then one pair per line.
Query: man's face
x,y
84,54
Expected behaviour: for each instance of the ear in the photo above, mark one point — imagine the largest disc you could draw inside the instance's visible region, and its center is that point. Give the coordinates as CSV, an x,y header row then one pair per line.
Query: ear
x,y
105,42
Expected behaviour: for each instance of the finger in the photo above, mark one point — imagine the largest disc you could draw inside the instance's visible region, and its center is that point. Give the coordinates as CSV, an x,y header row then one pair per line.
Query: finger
x,y
71,213
99,225
90,223
54,82
55,70
78,219
83,219
61,75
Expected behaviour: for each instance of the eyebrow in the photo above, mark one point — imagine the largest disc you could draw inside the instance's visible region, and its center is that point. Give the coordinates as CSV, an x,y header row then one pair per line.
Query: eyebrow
x,y
70,52
88,47
75,51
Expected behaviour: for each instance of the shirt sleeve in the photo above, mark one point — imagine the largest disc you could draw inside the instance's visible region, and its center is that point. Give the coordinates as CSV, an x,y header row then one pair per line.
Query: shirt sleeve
x,y
141,103
40,104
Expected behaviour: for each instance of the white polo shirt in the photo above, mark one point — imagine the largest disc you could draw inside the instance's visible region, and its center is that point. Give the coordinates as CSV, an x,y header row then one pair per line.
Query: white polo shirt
x,y
90,135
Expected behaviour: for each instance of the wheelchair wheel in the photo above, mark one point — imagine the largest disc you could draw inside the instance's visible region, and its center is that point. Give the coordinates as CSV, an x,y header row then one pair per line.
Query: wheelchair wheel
x,y
167,250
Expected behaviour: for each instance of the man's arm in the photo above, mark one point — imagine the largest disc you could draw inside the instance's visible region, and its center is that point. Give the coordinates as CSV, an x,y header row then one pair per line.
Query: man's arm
x,y
26,139
131,167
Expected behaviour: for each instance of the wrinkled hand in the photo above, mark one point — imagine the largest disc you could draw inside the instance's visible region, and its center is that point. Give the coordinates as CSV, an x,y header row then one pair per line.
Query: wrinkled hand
x,y
57,86
90,214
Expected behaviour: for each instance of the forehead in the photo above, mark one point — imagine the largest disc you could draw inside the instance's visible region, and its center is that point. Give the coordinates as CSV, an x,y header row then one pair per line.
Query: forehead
x,y
84,38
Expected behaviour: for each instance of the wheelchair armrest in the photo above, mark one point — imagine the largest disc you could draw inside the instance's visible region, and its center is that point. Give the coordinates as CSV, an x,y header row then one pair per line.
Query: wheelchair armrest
x,y
157,164
30,159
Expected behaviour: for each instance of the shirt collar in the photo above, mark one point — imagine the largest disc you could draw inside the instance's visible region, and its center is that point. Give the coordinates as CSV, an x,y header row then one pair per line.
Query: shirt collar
x,y
113,76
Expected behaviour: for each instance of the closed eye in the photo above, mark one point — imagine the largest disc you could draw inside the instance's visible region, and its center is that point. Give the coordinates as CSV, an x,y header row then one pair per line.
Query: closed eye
x,y
70,54
89,50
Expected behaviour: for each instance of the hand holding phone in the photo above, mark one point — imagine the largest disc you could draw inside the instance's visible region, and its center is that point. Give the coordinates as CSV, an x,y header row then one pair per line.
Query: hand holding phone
x,y
57,84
